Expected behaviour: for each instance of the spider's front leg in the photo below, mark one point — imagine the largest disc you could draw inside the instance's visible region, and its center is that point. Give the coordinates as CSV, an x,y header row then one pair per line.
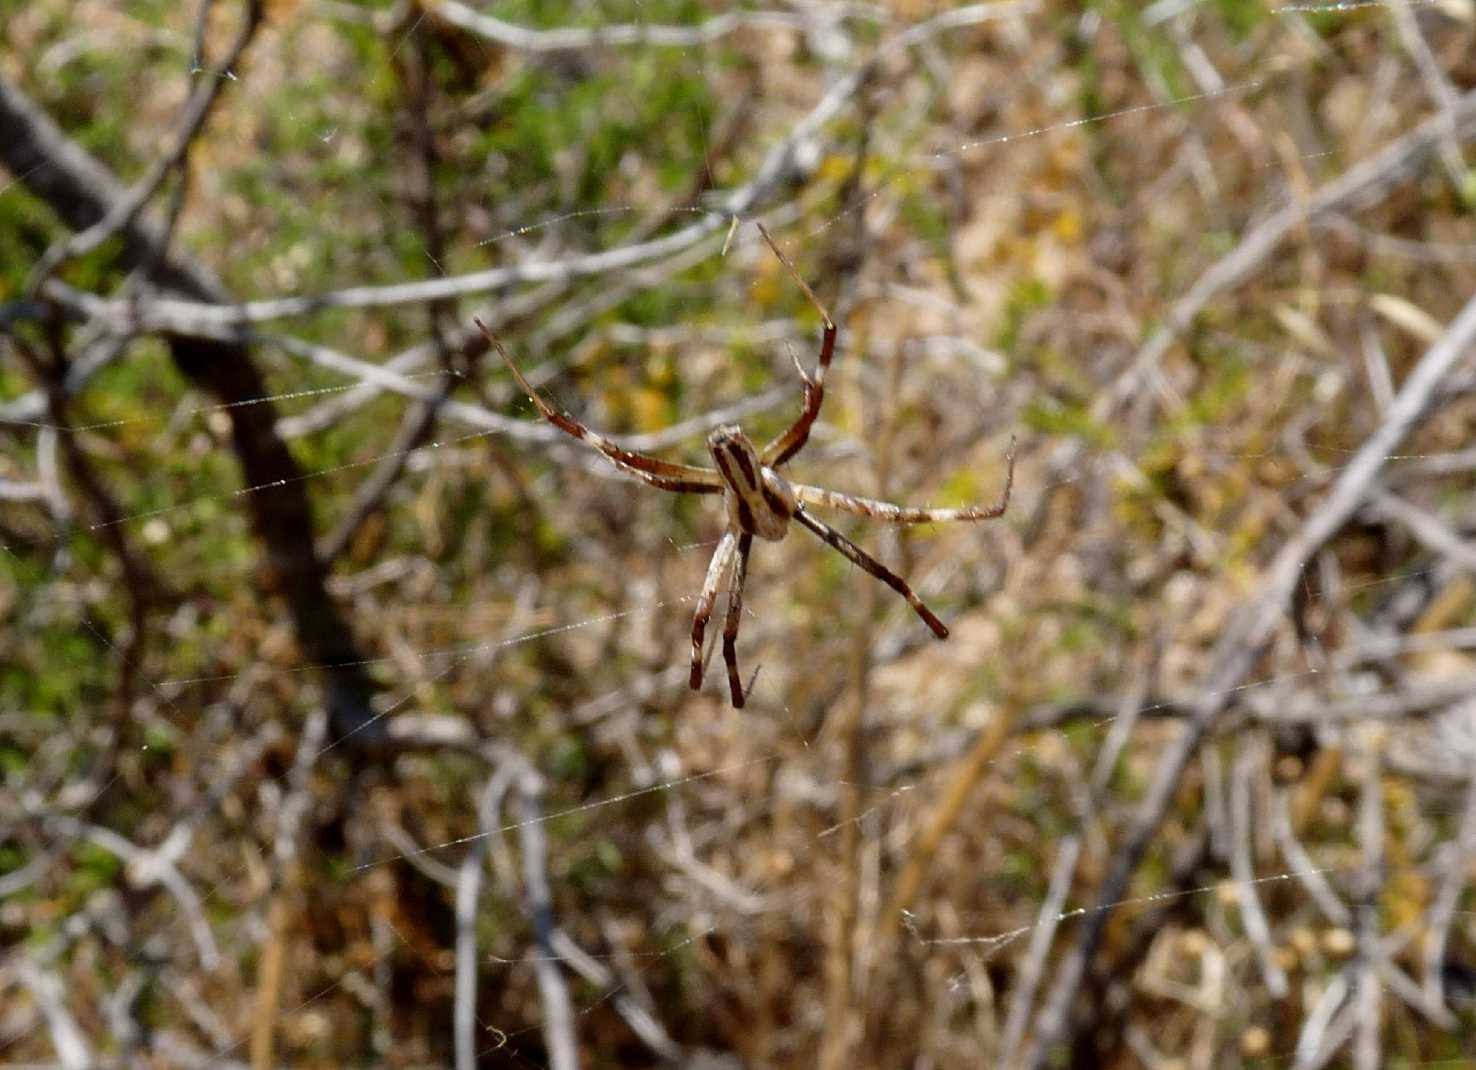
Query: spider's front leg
x,y
683,478
722,557
793,440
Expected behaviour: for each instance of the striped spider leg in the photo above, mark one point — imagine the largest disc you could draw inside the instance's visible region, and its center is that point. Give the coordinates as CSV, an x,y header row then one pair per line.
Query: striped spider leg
x,y
759,501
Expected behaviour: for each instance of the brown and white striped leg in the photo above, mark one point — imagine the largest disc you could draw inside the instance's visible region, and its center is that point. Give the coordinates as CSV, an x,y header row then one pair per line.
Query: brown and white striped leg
x,y
735,616
875,567
722,557
906,514
667,475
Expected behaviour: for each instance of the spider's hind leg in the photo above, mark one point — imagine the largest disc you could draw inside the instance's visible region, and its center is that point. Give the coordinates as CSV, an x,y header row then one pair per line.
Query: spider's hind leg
x,y
735,617
875,567
722,557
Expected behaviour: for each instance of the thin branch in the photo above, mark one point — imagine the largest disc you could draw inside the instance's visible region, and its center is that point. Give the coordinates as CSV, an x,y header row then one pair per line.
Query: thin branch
x,y
1364,182
81,191
145,868
1437,86
558,1009
640,1019
463,412
415,428
66,1035
468,892
123,211
1428,529
1455,871
12,490
1310,876
1252,915
1326,1027
283,878
1022,993
1366,1046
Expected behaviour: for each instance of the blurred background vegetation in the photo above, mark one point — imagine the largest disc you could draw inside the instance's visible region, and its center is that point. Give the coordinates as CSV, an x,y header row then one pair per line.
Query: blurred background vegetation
x,y
350,727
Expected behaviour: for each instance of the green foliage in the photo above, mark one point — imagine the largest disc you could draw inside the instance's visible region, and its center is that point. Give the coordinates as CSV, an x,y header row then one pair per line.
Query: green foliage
x,y
1242,16
1052,417
566,758
92,868
1028,295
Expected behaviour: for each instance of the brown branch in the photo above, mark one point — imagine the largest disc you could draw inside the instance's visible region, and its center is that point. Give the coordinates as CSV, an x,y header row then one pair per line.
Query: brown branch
x,y
82,191
142,584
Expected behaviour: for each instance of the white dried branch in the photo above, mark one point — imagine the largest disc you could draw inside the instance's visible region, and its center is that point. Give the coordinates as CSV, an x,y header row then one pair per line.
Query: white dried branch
x,y
1365,181
48,468
1022,993
558,1008
1419,694
1329,1024
126,209
1248,634
574,38
299,795
1455,870
1437,85
1308,873
1242,869
468,894
1428,529
469,414
640,1019
1368,991
147,867
12,490
175,316
66,1035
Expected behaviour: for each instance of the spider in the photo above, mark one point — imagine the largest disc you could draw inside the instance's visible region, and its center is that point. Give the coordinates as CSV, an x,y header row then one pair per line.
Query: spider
x,y
759,500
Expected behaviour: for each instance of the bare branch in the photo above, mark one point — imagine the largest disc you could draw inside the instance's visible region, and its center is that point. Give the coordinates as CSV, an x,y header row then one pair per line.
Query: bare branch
x,y
1242,869
66,1035
82,191
147,867
1366,1046
1364,182
558,1009
1335,910
468,893
1455,870
1326,1027
1428,529
1022,994
1246,638
570,39
172,316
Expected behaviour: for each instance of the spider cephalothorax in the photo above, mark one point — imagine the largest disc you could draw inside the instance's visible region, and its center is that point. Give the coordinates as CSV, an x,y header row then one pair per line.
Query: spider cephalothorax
x,y
759,500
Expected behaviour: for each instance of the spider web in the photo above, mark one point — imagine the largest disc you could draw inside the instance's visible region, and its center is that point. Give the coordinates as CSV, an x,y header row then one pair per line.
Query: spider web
x,y
734,829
